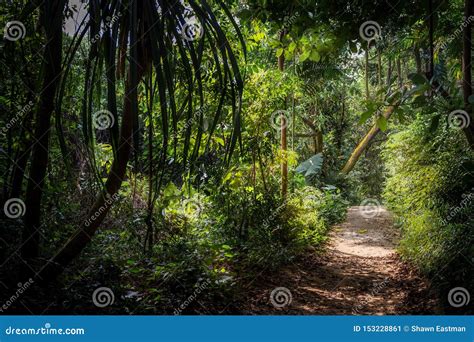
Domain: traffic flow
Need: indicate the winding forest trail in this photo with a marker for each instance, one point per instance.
(359, 273)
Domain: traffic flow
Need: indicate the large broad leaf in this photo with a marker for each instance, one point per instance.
(312, 166)
(418, 79)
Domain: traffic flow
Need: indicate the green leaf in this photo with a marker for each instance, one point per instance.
(304, 56)
(292, 47)
(434, 123)
(382, 123)
(279, 52)
(365, 116)
(394, 97)
(417, 79)
(311, 166)
(353, 47)
(315, 57)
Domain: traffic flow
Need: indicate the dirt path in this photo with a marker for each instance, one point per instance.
(360, 273)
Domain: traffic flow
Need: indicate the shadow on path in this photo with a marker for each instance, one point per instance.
(360, 273)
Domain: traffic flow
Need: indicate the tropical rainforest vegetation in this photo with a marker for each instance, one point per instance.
(169, 151)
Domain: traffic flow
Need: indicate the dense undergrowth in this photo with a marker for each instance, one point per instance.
(430, 188)
(217, 242)
(227, 154)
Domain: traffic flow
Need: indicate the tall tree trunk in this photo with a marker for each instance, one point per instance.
(399, 74)
(416, 52)
(379, 68)
(367, 91)
(318, 142)
(284, 142)
(18, 172)
(431, 39)
(23, 154)
(81, 237)
(467, 74)
(52, 20)
(364, 143)
(389, 73)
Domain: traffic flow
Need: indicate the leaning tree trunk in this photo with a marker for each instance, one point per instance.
(467, 75)
(84, 233)
(52, 20)
(364, 143)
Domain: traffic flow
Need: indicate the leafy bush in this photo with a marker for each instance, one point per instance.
(430, 187)
(269, 231)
